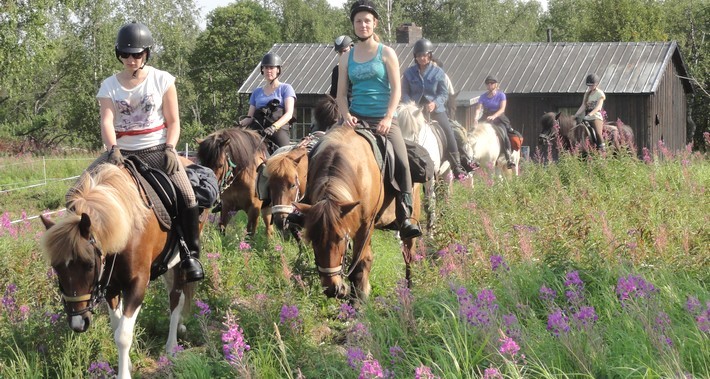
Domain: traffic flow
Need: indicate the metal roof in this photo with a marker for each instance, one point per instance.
(558, 67)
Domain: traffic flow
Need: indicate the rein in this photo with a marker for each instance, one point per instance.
(98, 293)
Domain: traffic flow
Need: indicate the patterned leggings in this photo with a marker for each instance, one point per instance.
(155, 158)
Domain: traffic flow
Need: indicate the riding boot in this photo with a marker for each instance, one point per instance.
(456, 168)
(403, 212)
(190, 251)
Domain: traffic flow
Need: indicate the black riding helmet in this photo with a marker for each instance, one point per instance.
(341, 43)
(490, 79)
(363, 6)
(592, 79)
(272, 60)
(423, 46)
(134, 38)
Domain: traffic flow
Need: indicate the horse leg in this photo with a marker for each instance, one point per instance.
(180, 300)
(430, 194)
(252, 218)
(266, 216)
(115, 310)
(360, 278)
(408, 248)
(123, 335)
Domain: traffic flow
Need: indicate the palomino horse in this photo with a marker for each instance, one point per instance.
(234, 155)
(349, 199)
(562, 131)
(104, 248)
(486, 149)
(415, 128)
(286, 174)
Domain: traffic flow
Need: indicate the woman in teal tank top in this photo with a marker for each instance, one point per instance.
(373, 70)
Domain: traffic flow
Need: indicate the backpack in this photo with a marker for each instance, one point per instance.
(421, 166)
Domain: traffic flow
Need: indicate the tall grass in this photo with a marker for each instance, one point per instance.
(587, 268)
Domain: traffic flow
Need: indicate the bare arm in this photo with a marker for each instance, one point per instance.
(108, 133)
(392, 66)
(172, 115)
(342, 98)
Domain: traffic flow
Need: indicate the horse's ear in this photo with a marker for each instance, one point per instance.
(199, 140)
(557, 116)
(85, 226)
(347, 208)
(224, 142)
(46, 221)
(297, 160)
(302, 207)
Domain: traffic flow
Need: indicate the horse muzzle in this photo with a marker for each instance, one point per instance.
(79, 322)
(338, 290)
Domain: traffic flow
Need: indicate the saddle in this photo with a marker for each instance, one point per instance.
(164, 199)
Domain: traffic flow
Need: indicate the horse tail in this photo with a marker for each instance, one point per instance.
(111, 200)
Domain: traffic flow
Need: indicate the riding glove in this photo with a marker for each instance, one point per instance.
(115, 157)
(270, 130)
(172, 165)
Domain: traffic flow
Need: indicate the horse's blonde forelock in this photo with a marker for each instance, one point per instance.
(63, 242)
(115, 208)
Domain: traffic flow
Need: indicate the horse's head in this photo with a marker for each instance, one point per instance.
(286, 173)
(329, 229)
(410, 119)
(77, 260)
(325, 114)
(212, 152)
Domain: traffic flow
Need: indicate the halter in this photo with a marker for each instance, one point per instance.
(554, 133)
(228, 175)
(285, 208)
(98, 292)
(329, 272)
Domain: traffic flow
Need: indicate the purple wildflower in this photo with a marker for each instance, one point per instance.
(512, 328)
(557, 322)
(397, 354)
(355, 357)
(547, 295)
(8, 300)
(508, 346)
(234, 344)
(424, 372)
(634, 287)
(703, 319)
(289, 315)
(573, 280)
(100, 370)
(204, 307)
(478, 312)
(497, 262)
(347, 312)
(585, 317)
(693, 305)
(360, 332)
(662, 323)
(164, 363)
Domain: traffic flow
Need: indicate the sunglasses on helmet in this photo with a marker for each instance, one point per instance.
(134, 55)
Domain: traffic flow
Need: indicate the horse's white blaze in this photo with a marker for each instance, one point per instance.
(174, 324)
(124, 339)
(77, 322)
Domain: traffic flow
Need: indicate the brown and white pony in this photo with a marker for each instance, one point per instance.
(234, 154)
(348, 199)
(286, 174)
(104, 248)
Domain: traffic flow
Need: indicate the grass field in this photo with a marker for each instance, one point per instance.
(592, 268)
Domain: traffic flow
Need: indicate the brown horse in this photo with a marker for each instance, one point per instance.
(286, 174)
(234, 155)
(562, 131)
(349, 199)
(104, 248)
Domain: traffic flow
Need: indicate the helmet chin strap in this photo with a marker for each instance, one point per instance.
(136, 71)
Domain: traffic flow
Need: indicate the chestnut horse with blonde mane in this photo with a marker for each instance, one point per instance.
(234, 154)
(104, 248)
(349, 199)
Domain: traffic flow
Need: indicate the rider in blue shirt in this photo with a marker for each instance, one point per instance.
(425, 84)
(273, 90)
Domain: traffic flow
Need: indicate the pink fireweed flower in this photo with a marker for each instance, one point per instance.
(492, 373)
(234, 344)
(508, 346)
(278, 248)
(424, 372)
(371, 369)
(244, 245)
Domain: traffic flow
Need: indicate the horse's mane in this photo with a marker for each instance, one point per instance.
(242, 145)
(410, 120)
(547, 121)
(331, 176)
(283, 165)
(325, 113)
(116, 211)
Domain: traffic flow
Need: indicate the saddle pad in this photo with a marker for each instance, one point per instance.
(154, 200)
(516, 141)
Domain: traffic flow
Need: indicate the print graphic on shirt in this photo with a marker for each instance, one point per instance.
(136, 115)
(366, 71)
